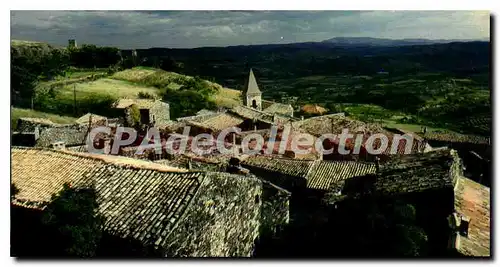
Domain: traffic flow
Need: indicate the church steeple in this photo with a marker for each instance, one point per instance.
(253, 95)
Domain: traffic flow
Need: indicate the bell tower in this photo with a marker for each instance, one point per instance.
(252, 94)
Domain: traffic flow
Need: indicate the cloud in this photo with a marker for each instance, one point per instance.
(144, 29)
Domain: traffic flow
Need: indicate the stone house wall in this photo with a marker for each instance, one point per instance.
(222, 221)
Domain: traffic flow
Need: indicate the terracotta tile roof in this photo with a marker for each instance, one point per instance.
(297, 168)
(319, 174)
(139, 199)
(473, 200)
(95, 119)
(143, 204)
(418, 172)
(326, 173)
(314, 109)
(205, 112)
(456, 138)
(197, 164)
(197, 118)
(250, 113)
(328, 124)
(141, 103)
(403, 174)
(221, 121)
(266, 103)
(335, 123)
(279, 109)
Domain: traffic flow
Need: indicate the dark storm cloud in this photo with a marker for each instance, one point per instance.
(144, 29)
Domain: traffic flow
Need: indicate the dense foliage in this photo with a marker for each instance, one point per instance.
(195, 94)
(30, 65)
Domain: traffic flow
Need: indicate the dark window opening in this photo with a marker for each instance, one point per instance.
(144, 116)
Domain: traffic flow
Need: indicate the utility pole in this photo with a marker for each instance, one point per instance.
(74, 98)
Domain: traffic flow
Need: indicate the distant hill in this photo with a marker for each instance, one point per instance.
(369, 41)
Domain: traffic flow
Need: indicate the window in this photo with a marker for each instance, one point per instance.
(257, 199)
(254, 104)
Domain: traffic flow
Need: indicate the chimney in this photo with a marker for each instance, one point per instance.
(235, 149)
(302, 118)
(190, 165)
(107, 146)
(255, 128)
(463, 229)
(58, 146)
(377, 164)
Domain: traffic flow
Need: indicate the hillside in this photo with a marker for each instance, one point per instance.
(95, 90)
(444, 85)
(224, 97)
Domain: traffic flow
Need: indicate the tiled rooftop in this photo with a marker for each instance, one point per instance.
(222, 121)
(326, 173)
(250, 113)
(297, 168)
(95, 119)
(473, 200)
(319, 174)
(418, 172)
(141, 103)
(139, 199)
(456, 138)
(279, 108)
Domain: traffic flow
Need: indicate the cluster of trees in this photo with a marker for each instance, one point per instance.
(195, 94)
(92, 56)
(35, 63)
(30, 65)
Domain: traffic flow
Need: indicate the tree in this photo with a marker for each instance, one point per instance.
(72, 218)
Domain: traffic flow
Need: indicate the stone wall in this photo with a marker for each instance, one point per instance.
(223, 220)
(275, 209)
(161, 113)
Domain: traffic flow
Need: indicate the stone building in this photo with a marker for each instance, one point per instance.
(152, 111)
(72, 43)
(433, 183)
(168, 211)
(252, 94)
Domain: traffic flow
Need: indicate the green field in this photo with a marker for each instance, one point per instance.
(117, 88)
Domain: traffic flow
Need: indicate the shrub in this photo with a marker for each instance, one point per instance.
(146, 95)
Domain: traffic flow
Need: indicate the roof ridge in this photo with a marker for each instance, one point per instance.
(114, 160)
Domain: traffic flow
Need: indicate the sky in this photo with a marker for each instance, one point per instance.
(188, 29)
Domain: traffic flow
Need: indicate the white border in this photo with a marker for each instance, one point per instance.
(208, 5)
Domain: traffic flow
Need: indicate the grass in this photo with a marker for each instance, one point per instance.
(116, 88)
(133, 75)
(17, 113)
(225, 97)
